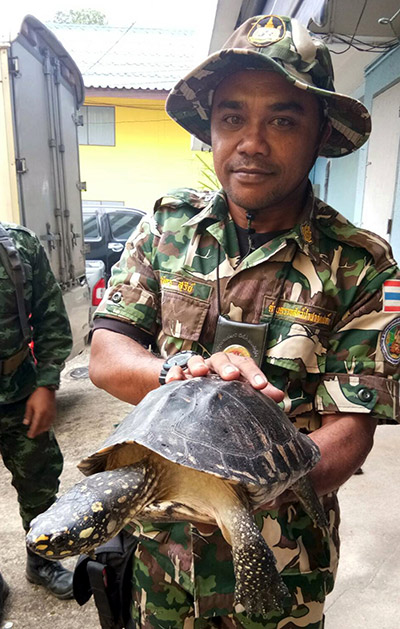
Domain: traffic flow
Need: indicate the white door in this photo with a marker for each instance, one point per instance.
(383, 156)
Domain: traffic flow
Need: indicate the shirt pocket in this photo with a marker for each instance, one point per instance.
(184, 307)
(294, 344)
(296, 347)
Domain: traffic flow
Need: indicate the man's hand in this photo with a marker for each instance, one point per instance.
(286, 497)
(40, 411)
(228, 367)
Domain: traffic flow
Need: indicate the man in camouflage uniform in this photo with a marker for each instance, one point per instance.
(28, 383)
(262, 249)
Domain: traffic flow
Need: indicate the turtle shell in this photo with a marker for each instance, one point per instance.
(225, 428)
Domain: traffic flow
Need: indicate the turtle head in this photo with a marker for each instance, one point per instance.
(88, 515)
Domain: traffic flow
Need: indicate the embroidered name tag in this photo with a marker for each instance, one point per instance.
(308, 314)
(184, 286)
(391, 296)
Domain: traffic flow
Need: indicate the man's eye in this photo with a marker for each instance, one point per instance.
(232, 119)
(283, 122)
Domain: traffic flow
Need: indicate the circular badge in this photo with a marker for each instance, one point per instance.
(239, 350)
(390, 342)
(267, 30)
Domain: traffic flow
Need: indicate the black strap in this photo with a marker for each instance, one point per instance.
(98, 580)
(108, 576)
(14, 267)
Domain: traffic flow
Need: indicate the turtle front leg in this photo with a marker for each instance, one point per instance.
(91, 512)
(259, 587)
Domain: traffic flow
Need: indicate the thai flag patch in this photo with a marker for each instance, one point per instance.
(391, 296)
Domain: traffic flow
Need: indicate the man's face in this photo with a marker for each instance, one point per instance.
(265, 134)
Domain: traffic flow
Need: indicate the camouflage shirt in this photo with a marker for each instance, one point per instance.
(324, 287)
(51, 332)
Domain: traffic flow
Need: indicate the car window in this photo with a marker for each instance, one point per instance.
(91, 226)
(123, 223)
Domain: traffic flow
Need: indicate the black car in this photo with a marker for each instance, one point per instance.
(106, 229)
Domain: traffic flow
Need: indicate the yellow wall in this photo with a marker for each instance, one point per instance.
(151, 155)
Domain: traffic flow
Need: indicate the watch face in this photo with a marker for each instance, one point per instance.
(181, 358)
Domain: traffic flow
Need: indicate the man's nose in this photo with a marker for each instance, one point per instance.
(254, 140)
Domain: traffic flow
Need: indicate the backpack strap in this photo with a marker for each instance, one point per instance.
(98, 578)
(107, 574)
(14, 267)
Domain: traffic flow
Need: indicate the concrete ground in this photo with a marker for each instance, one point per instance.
(366, 593)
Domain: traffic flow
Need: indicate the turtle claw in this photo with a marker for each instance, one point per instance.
(271, 600)
(267, 594)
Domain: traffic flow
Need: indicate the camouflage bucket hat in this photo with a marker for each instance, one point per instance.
(282, 44)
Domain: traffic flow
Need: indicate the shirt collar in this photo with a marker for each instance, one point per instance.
(216, 214)
(215, 210)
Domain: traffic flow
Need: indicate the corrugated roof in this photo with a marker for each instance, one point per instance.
(138, 58)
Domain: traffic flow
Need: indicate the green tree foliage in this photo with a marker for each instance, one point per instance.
(80, 16)
(210, 179)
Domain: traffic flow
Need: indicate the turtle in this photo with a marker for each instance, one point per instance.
(203, 450)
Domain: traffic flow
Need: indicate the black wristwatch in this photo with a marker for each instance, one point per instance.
(181, 359)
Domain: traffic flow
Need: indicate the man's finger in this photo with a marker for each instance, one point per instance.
(33, 426)
(175, 373)
(275, 394)
(27, 416)
(233, 367)
(197, 366)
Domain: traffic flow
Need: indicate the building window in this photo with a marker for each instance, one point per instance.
(98, 126)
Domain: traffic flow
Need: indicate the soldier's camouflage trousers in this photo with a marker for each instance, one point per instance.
(163, 603)
(35, 464)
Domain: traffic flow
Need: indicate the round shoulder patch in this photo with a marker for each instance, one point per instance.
(390, 342)
(267, 30)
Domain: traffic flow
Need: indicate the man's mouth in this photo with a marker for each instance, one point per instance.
(249, 174)
(253, 171)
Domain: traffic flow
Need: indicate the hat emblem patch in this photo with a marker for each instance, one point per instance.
(268, 30)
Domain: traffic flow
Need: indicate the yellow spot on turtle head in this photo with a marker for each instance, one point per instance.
(65, 552)
(111, 526)
(42, 538)
(41, 547)
(122, 499)
(86, 532)
(49, 553)
(97, 506)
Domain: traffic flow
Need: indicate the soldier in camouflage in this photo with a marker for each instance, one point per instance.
(263, 249)
(27, 390)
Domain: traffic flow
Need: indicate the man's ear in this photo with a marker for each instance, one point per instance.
(325, 135)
